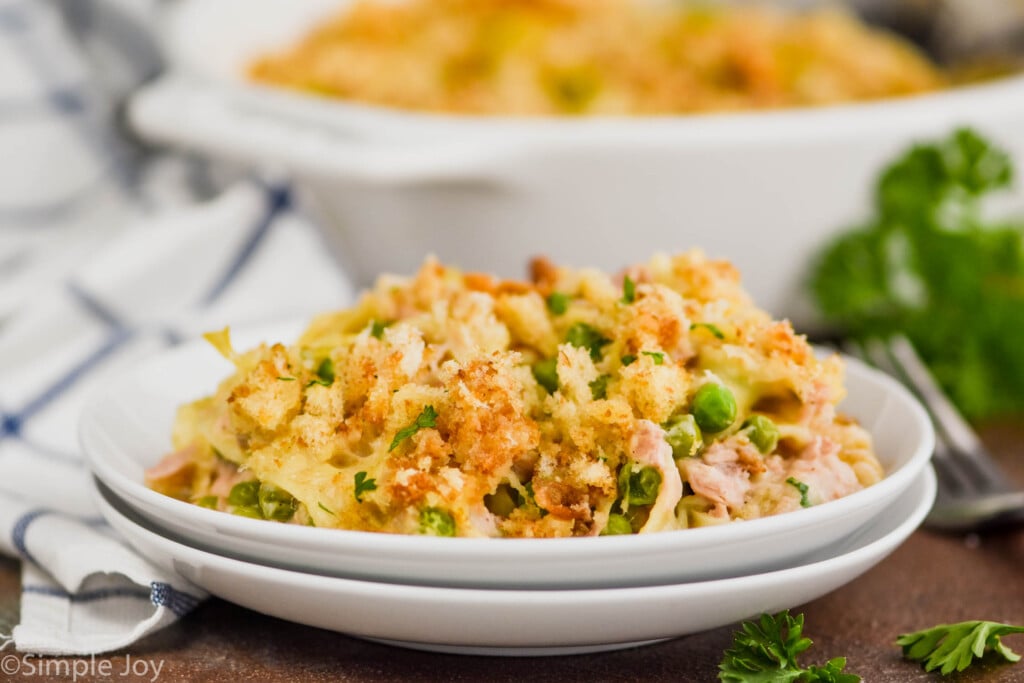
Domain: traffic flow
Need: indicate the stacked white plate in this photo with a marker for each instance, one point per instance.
(490, 596)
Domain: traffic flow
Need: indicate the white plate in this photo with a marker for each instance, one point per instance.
(126, 427)
(518, 622)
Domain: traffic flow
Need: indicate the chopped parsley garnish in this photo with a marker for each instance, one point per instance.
(325, 371)
(558, 303)
(426, 419)
(586, 337)
(952, 647)
(325, 509)
(931, 265)
(628, 359)
(802, 488)
(658, 356)
(377, 328)
(710, 327)
(766, 650)
(628, 290)
(287, 379)
(546, 373)
(599, 387)
(363, 484)
(324, 374)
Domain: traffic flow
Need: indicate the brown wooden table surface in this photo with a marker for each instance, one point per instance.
(931, 579)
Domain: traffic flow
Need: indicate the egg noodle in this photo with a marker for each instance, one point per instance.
(575, 404)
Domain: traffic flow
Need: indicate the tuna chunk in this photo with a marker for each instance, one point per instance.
(648, 447)
(721, 475)
(826, 475)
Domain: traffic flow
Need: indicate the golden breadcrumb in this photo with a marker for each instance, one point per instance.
(570, 57)
(576, 404)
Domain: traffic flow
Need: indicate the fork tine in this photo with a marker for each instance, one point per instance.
(952, 479)
(963, 442)
(973, 492)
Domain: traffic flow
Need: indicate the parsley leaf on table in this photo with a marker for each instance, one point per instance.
(932, 266)
(952, 647)
(766, 651)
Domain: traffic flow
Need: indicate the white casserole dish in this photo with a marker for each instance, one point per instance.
(763, 190)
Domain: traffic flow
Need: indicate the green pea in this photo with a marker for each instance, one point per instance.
(248, 511)
(617, 525)
(558, 302)
(275, 503)
(714, 407)
(436, 522)
(762, 432)
(546, 373)
(245, 493)
(639, 487)
(683, 435)
(503, 501)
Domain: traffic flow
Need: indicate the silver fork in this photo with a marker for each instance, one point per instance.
(973, 492)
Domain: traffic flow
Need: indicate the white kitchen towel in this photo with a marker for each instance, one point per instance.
(108, 254)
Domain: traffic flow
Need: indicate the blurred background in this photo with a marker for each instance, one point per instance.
(776, 135)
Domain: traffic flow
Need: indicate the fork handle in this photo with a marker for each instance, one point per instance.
(984, 511)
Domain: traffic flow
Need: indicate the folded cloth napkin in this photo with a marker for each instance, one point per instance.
(107, 256)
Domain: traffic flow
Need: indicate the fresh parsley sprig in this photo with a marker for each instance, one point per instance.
(628, 290)
(425, 420)
(931, 265)
(766, 651)
(802, 488)
(952, 647)
(363, 484)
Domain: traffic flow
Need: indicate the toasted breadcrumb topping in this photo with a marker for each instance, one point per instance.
(459, 404)
(603, 57)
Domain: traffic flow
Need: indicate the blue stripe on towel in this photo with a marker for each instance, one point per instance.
(21, 528)
(66, 382)
(95, 307)
(89, 124)
(89, 596)
(165, 595)
(278, 200)
(60, 101)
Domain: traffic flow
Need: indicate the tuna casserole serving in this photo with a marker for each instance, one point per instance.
(576, 404)
(544, 57)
